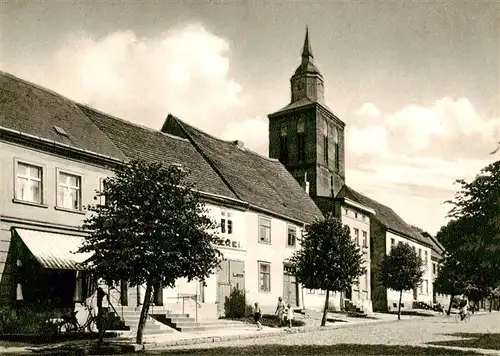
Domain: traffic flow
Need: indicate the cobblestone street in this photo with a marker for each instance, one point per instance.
(415, 332)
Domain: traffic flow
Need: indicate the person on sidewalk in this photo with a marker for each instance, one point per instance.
(290, 315)
(280, 310)
(257, 315)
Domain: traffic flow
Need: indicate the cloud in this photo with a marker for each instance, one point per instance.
(410, 158)
(184, 71)
(253, 132)
(367, 110)
(448, 129)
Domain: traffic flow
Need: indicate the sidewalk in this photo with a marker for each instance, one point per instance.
(181, 339)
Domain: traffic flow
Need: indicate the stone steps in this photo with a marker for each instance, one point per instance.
(131, 318)
(183, 323)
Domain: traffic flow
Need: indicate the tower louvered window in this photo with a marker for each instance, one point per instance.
(301, 140)
(283, 144)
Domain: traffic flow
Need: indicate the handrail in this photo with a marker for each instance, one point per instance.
(116, 299)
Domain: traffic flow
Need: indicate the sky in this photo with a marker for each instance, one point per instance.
(417, 83)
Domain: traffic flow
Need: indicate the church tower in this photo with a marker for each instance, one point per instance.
(305, 135)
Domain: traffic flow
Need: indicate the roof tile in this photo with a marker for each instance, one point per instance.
(385, 215)
(259, 180)
(30, 109)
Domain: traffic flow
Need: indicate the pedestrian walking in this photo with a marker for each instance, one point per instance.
(257, 315)
(280, 310)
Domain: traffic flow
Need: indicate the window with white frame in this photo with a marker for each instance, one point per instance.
(226, 222)
(310, 291)
(346, 211)
(365, 239)
(265, 276)
(29, 183)
(102, 189)
(69, 194)
(356, 235)
(425, 258)
(292, 236)
(264, 229)
(393, 242)
(434, 268)
(321, 291)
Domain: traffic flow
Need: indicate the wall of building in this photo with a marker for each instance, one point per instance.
(424, 292)
(290, 120)
(251, 251)
(33, 215)
(360, 220)
(377, 253)
(443, 299)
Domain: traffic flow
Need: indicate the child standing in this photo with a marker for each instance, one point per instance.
(289, 314)
(257, 314)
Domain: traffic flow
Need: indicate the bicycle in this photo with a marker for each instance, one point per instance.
(466, 319)
(70, 323)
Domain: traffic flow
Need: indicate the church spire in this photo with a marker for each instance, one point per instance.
(307, 54)
(307, 81)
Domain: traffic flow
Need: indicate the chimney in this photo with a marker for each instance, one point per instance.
(239, 143)
(306, 183)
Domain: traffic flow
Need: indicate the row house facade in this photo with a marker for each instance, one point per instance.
(56, 155)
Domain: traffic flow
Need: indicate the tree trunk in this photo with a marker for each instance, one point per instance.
(144, 313)
(491, 303)
(449, 306)
(399, 305)
(327, 298)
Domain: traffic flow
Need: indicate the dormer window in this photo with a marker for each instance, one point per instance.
(283, 144)
(301, 140)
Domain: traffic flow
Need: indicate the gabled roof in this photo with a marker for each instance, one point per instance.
(217, 167)
(384, 215)
(33, 110)
(438, 250)
(139, 142)
(261, 181)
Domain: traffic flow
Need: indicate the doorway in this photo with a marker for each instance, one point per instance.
(230, 275)
(290, 288)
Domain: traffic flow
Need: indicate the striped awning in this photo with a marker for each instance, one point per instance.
(55, 251)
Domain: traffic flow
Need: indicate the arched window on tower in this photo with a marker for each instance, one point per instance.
(301, 140)
(325, 141)
(337, 153)
(283, 144)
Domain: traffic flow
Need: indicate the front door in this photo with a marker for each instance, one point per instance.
(290, 286)
(230, 275)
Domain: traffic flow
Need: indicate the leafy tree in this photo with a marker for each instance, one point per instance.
(450, 279)
(473, 234)
(401, 270)
(152, 230)
(328, 259)
(494, 296)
